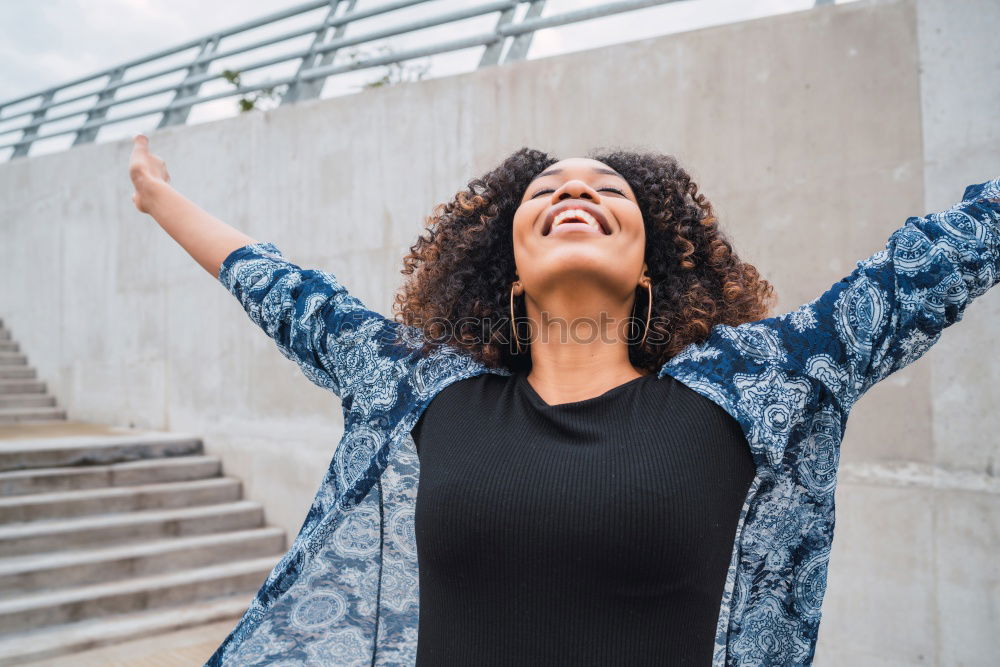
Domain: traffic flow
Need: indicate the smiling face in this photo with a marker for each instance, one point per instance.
(578, 224)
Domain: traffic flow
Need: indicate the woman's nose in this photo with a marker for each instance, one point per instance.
(575, 189)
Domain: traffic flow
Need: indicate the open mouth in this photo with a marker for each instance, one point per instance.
(570, 217)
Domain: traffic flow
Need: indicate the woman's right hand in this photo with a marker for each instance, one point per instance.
(146, 171)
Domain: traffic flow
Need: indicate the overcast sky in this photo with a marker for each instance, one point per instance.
(47, 42)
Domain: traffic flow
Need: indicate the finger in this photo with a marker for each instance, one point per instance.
(140, 144)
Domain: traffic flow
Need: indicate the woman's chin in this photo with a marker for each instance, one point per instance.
(579, 270)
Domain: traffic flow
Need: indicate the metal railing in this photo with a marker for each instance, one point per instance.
(315, 63)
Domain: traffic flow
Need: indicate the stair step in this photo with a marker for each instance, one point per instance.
(16, 372)
(26, 401)
(16, 386)
(132, 595)
(74, 637)
(7, 345)
(115, 500)
(4, 333)
(13, 359)
(130, 473)
(90, 449)
(30, 415)
(116, 529)
(37, 572)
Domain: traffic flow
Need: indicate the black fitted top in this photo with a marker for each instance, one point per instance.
(596, 532)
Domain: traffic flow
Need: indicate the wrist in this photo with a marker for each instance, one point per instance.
(154, 192)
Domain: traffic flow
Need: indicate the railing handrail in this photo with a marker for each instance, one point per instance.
(315, 66)
(202, 59)
(489, 7)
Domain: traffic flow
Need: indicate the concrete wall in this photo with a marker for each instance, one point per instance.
(815, 134)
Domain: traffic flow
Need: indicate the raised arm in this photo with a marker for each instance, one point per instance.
(338, 343)
(882, 317)
(206, 238)
(895, 304)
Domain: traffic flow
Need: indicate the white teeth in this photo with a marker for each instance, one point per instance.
(576, 214)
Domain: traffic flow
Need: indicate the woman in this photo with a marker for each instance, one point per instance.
(599, 494)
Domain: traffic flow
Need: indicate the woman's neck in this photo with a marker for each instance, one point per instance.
(579, 352)
(576, 375)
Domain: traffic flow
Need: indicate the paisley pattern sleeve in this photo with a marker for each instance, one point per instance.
(895, 304)
(791, 381)
(311, 317)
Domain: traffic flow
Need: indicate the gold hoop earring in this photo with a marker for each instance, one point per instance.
(649, 311)
(513, 329)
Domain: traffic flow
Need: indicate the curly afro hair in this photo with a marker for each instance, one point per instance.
(462, 265)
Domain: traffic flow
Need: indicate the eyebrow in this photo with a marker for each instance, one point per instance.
(596, 170)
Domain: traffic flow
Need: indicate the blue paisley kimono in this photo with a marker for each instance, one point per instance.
(346, 593)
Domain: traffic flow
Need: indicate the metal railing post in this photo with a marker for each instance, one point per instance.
(179, 115)
(89, 134)
(25, 143)
(519, 48)
(491, 56)
(311, 89)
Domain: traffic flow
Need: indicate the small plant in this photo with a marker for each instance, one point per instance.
(398, 72)
(271, 93)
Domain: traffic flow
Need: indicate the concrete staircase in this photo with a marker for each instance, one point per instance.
(116, 534)
(22, 397)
